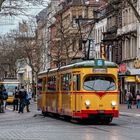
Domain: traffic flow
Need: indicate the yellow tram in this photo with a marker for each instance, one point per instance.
(83, 90)
(9, 85)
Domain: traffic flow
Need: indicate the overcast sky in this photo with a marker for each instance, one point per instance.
(8, 23)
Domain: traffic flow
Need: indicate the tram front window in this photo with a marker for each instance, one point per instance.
(99, 83)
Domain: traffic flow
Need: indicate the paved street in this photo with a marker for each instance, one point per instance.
(33, 126)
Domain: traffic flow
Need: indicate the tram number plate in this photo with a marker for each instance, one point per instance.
(101, 111)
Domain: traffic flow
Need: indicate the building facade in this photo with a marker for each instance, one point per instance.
(24, 74)
(73, 29)
(129, 34)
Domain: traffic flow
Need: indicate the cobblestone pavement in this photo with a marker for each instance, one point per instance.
(34, 126)
(129, 112)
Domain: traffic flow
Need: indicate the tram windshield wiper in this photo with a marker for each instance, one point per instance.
(89, 87)
(110, 86)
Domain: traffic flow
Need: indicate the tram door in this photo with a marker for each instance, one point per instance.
(76, 91)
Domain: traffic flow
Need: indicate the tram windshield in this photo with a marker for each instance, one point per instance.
(99, 83)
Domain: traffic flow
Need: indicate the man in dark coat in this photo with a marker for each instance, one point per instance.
(22, 99)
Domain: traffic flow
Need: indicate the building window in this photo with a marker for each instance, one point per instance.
(73, 44)
(74, 23)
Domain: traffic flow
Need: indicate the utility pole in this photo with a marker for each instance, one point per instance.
(87, 53)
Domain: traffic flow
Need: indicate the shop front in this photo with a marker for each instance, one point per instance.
(132, 81)
(129, 79)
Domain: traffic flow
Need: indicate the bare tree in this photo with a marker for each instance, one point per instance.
(8, 58)
(31, 49)
(66, 42)
(35, 2)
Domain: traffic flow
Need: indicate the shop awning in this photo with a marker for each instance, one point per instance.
(130, 78)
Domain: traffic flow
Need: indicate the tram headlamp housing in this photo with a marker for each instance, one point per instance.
(113, 103)
(87, 103)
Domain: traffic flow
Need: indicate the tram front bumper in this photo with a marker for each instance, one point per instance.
(95, 113)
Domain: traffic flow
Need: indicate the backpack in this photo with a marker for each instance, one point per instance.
(130, 97)
(138, 97)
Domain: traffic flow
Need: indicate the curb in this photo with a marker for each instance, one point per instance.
(129, 114)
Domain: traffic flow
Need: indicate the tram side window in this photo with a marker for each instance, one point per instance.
(66, 82)
(77, 82)
(39, 86)
(52, 83)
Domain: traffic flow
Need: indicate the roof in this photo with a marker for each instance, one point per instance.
(84, 64)
(134, 71)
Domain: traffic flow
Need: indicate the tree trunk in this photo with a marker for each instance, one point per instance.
(1, 2)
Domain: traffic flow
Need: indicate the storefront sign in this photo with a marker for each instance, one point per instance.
(130, 78)
(122, 68)
(137, 64)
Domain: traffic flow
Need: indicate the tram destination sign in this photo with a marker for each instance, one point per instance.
(100, 70)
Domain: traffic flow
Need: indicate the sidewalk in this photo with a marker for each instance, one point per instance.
(129, 112)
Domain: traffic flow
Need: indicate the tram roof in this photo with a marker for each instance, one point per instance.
(83, 64)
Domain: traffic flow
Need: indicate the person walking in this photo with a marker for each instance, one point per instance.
(27, 102)
(22, 99)
(129, 99)
(16, 99)
(1, 101)
(5, 97)
(138, 99)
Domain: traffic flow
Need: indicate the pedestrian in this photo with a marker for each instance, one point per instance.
(16, 99)
(1, 101)
(129, 99)
(138, 99)
(27, 102)
(5, 97)
(22, 99)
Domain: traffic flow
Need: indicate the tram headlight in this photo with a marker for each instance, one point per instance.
(87, 103)
(113, 103)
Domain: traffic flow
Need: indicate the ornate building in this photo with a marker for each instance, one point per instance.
(68, 32)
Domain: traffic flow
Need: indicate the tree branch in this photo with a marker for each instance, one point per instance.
(134, 9)
(1, 2)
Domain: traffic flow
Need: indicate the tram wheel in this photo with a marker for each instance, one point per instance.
(44, 113)
(107, 121)
(67, 118)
